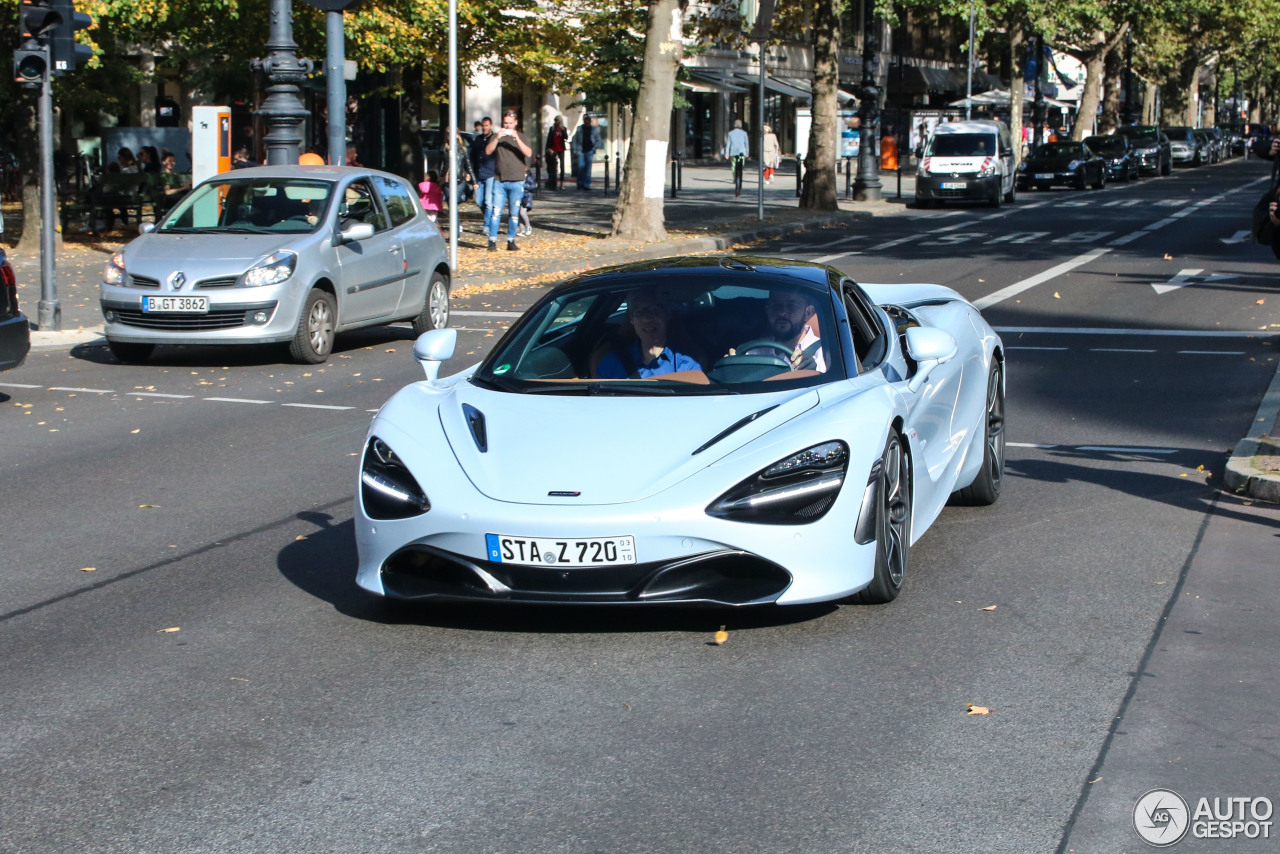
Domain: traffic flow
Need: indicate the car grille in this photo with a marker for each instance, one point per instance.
(221, 282)
(950, 194)
(215, 319)
(143, 281)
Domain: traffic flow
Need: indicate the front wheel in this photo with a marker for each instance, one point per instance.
(893, 525)
(985, 488)
(1012, 195)
(1101, 182)
(313, 339)
(130, 353)
(435, 308)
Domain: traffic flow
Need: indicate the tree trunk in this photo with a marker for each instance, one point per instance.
(638, 214)
(27, 142)
(1113, 91)
(1017, 88)
(411, 124)
(819, 190)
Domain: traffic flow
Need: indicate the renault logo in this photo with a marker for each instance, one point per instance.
(179, 279)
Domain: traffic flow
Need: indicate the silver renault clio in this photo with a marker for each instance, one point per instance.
(278, 253)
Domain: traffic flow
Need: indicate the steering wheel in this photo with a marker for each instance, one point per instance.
(752, 367)
(757, 343)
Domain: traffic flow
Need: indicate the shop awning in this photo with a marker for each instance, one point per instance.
(921, 79)
(707, 80)
(780, 85)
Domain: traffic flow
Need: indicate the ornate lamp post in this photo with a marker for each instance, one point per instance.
(866, 187)
(285, 72)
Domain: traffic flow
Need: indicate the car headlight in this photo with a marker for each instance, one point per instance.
(1155, 149)
(1075, 164)
(989, 170)
(795, 490)
(1022, 167)
(387, 489)
(272, 270)
(114, 274)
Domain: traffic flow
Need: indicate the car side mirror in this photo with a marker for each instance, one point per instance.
(146, 227)
(433, 348)
(929, 348)
(358, 231)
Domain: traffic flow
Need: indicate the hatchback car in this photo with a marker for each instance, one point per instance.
(15, 332)
(1118, 152)
(1071, 163)
(287, 253)
(1154, 155)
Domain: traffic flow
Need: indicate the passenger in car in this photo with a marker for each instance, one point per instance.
(791, 317)
(649, 355)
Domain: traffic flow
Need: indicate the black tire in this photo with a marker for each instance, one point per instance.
(985, 488)
(1012, 196)
(1081, 182)
(129, 353)
(996, 198)
(1166, 169)
(313, 340)
(435, 307)
(893, 525)
(1102, 180)
(924, 204)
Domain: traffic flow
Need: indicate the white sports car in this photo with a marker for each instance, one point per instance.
(719, 431)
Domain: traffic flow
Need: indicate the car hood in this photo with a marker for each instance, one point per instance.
(169, 250)
(1056, 164)
(601, 450)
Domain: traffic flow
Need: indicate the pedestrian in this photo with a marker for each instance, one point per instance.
(511, 153)
(586, 141)
(240, 159)
(431, 195)
(556, 139)
(772, 154)
(128, 163)
(526, 204)
(482, 164)
(148, 159)
(736, 147)
(456, 158)
(353, 157)
(475, 128)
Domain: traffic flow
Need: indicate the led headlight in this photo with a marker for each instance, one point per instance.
(114, 274)
(272, 270)
(795, 490)
(1155, 149)
(1074, 165)
(387, 489)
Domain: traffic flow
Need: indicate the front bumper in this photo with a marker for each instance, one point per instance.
(1048, 179)
(965, 186)
(1183, 155)
(1117, 168)
(15, 341)
(230, 319)
(1149, 162)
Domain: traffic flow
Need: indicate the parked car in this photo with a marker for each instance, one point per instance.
(15, 331)
(1208, 146)
(278, 253)
(1072, 163)
(1118, 152)
(1154, 155)
(532, 478)
(1221, 143)
(1186, 147)
(967, 161)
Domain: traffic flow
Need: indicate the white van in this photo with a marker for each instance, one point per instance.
(968, 161)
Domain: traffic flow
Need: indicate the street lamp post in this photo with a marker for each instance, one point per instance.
(968, 85)
(1037, 111)
(866, 188)
(282, 108)
(1128, 78)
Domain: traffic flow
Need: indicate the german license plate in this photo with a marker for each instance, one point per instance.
(553, 551)
(176, 305)
(1044, 176)
(954, 185)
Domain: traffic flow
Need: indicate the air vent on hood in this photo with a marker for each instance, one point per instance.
(737, 425)
(475, 420)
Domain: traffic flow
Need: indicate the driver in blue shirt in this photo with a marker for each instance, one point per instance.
(649, 355)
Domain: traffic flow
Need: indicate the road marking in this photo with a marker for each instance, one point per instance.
(1238, 237)
(1210, 352)
(1027, 284)
(158, 394)
(315, 406)
(1128, 238)
(19, 385)
(1118, 350)
(1102, 330)
(463, 313)
(234, 400)
(85, 390)
(1190, 276)
(1030, 445)
(1108, 449)
(897, 242)
(1035, 348)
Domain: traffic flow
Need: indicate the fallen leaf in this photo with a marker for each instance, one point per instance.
(721, 636)
(1094, 780)
(1057, 295)
(1200, 468)
(238, 679)
(141, 506)
(1260, 302)
(300, 537)
(988, 608)
(139, 430)
(169, 630)
(1184, 474)
(1168, 257)
(88, 569)
(978, 710)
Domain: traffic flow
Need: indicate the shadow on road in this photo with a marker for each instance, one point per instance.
(324, 565)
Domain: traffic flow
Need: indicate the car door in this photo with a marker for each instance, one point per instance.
(413, 231)
(372, 270)
(1006, 162)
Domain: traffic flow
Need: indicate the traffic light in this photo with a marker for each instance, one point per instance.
(31, 64)
(65, 54)
(36, 18)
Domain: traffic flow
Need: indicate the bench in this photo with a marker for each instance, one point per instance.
(123, 192)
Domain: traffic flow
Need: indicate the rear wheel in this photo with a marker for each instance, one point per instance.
(1012, 195)
(985, 488)
(893, 525)
(435, 308)
(130, 353)
(313, 339)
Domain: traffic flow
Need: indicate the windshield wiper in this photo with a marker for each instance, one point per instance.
(179, 230)
(494, 384)
(242, 229)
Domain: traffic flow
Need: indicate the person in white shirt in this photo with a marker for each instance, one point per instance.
(736, 147)
(789, 313)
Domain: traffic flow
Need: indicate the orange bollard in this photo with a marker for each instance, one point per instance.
(888, 153)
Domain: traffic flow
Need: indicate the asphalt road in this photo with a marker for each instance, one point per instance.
(188, 666)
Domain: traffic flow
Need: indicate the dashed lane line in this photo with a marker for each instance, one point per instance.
(1104, 449)
(235, 400)
(1040, 278)
(469, 313)
(1103, 330)
(159, 394)
(83, 390)
(317, 406)
(1118, 350)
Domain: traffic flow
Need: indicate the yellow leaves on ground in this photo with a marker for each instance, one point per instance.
(721, 636)
(978, 710)
(145, 506)
(169, 630)
(988, 608)
(88, 569)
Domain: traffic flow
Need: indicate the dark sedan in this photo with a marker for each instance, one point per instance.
(1071, 163)
(1119, 153)
(15, 332)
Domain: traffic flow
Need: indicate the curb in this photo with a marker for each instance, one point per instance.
(1242, 476)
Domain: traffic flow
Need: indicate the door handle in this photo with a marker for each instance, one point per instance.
(395, 248)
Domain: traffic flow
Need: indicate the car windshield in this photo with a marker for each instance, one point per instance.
(1180, 134)
(667, 335)
(1060, 149)
(1106, 144)
(1141, 136)
(961, 145)
(251, 205)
